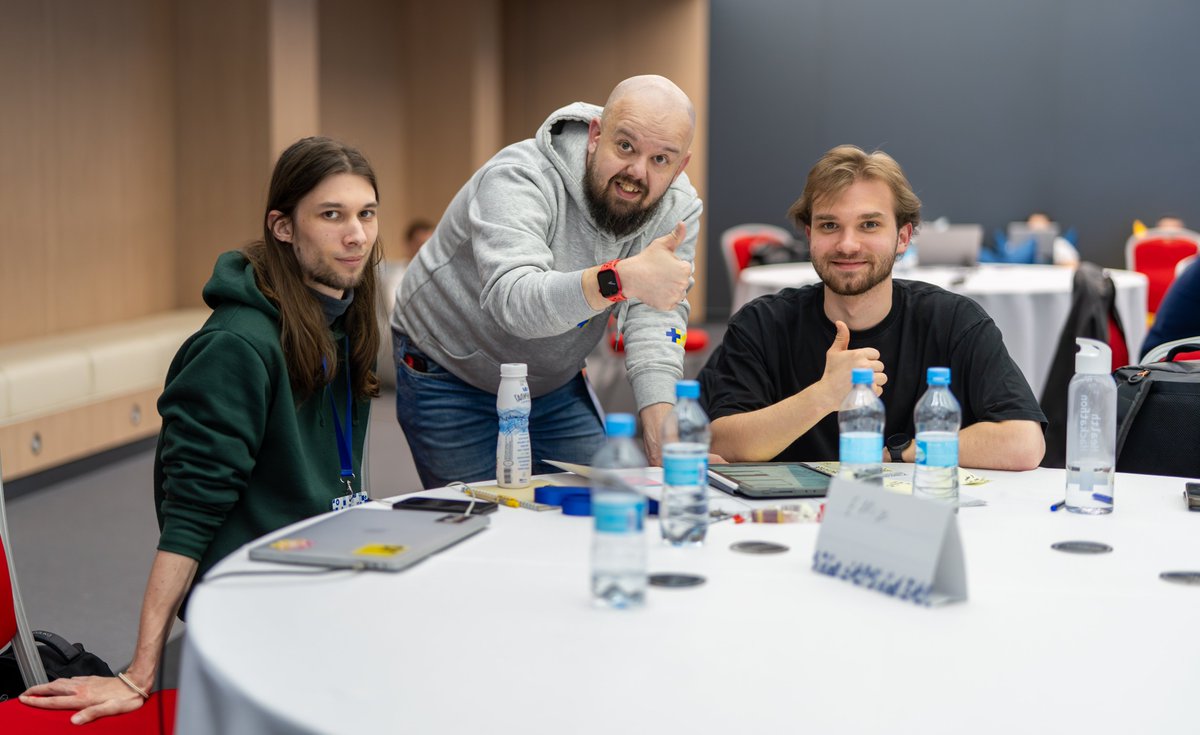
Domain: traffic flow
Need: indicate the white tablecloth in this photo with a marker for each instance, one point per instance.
(1029, 303)
(498, 635)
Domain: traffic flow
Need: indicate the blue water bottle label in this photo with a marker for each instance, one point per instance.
(514, 420)
(864, 448)
(618, 517)
(937, 452)
(679, 471)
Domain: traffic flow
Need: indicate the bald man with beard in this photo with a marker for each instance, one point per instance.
(590, 218)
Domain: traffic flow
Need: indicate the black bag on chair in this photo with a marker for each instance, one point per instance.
(61, 658)
(1158, 419)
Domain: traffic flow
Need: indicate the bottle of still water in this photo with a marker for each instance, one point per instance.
(685, 441)
(619, 510)
(937, 418)
(860, 430)
(1091, 430)
(514, 458)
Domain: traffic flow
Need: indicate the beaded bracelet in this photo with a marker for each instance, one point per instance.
(129, 683)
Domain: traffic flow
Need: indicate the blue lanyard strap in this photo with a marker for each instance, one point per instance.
(345, 439)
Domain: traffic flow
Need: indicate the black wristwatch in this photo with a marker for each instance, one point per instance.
(610, 282)
(896, 444)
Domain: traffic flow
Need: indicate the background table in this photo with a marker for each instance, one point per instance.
(498, 634)
(1029, 303)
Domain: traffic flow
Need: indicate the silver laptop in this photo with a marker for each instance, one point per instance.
(364, 538)
(1020, 232)
(950, 245)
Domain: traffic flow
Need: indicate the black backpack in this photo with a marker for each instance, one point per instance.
(1158, 418)
(60, 658)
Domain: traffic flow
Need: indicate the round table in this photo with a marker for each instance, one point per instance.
(1029, 303)
(498, 634)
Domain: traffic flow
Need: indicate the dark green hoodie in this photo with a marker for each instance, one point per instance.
(237, 458)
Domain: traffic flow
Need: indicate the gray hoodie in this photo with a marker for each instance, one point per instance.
(500, 280)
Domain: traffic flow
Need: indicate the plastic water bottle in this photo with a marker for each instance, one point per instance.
(514, 458)
(1091, 430)
(685, 441)
(937, 418)
(860, 426)
(619, 543)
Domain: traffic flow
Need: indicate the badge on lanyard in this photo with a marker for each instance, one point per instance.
(345, 438)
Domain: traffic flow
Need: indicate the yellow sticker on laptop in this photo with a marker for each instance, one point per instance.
(380, 550)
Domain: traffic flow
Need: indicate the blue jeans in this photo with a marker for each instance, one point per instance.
(451, 426)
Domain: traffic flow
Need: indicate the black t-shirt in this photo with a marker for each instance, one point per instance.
(775, 347)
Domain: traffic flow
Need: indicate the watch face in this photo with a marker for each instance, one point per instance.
(609, 287)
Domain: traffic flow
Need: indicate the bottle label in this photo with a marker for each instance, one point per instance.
(685, 470)
(860, 448)
(937, 451)
(513, 420)
(618, 517)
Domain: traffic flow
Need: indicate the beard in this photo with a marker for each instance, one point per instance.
(854, 284)
(616, 216)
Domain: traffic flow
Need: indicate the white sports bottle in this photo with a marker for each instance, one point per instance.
(514, 458)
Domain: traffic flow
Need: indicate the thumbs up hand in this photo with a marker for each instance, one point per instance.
(656, 276)
(840, 360)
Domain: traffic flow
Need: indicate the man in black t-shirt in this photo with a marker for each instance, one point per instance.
(774, 385)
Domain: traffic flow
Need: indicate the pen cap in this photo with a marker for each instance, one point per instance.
(1094, 357)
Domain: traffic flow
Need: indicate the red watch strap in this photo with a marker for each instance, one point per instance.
(612, 266)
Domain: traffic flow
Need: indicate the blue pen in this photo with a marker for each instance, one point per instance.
(1057, 505)
(1102, 498)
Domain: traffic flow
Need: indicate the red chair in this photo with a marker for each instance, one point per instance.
(1156, 254)
(16, 717)
(737, 244)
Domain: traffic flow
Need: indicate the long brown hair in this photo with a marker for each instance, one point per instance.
(304, 332)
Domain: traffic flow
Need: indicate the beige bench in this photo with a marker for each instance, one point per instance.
(71, 395)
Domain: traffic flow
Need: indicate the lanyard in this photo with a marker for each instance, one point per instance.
(345, 439)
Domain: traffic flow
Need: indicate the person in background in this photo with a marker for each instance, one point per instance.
(259, 403)
(1178, 315)
(1064, 252)
(774, 386)
(592, 217)
(418, 232)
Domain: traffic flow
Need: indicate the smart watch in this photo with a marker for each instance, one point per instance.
(610, 282)
(896, 444)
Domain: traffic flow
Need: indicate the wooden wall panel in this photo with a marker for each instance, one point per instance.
(87, 190)
(362, 84)
(546, 68)
(449, 53)
(223, 153)
(293, 74)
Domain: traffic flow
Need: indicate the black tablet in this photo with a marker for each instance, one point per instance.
(769, 480)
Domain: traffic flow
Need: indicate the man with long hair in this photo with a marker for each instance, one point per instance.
(774, 386)
(590, 218)
(265, 408)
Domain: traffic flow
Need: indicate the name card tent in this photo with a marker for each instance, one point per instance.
(899, 545)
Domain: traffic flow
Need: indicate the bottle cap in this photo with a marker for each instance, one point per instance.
(862, 376)
(619, 424)
(687, 389)
(513, 370)
(1094, 357)
(937, 376)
